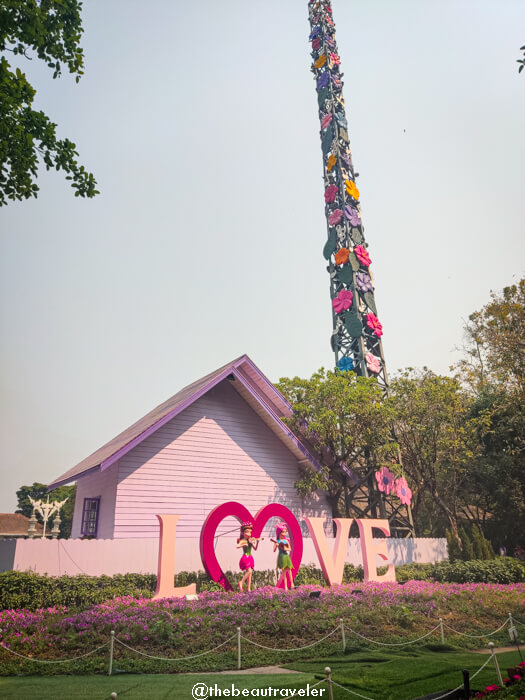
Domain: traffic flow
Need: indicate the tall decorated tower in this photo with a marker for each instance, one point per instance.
(357, 330)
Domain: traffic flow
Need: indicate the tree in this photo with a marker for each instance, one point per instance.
(438, 438)
(51, 29)
(492, 369)
(345, 418)
(494, 349)
(39, 492)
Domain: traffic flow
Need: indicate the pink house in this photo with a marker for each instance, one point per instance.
(218, 439)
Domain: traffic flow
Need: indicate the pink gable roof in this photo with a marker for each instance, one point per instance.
(251, 383)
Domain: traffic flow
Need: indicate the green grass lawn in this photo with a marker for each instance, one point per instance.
(400, 675)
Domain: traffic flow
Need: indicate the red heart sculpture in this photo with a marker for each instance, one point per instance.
(237, 510)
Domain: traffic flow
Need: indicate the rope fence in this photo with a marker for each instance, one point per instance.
(179, 658)
(394, 644)
(306, 646)
(239, 637)
(54, 661)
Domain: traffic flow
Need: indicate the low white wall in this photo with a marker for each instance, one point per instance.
(120, 556)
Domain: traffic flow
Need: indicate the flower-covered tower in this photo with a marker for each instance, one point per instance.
(357, 330)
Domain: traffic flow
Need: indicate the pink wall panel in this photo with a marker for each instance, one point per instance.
(120, 556)
(92, 486)
(217, 450)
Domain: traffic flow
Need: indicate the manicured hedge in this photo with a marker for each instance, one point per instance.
(500, 570)
(31, 591)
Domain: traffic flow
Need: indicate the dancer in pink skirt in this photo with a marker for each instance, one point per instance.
(246, 563)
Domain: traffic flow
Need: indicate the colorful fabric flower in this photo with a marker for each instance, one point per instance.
(320, 61)
(372, 362)
(330, 193)
(402, 491)
(352, 215)
(342, 255)
(363, 282)
(362, 255)
(338, 83)
(335, 59)
(314, 33)
(342, 301)
(373, 322)
(316, 43)
(345, 364)
(345, 157)
(352, 189)
(385, 480)
(332, 160)
(335, 217)
(326, 121)
(323, 80)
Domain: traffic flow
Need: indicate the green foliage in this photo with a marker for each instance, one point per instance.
(414, 572)
(346, 419)
(500, 570)
(467, 552)
(492, 372)
(30, 591)
(482, 547)
(454, 552)
(438, 438)
(39, 492)
(52, 30)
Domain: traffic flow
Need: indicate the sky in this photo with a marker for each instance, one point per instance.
(199, 121)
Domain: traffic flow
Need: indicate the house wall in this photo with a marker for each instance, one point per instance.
(216, 450)
(103, 484)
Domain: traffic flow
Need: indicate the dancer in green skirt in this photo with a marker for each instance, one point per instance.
(284, 560)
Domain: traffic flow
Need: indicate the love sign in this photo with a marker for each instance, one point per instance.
(331, 560)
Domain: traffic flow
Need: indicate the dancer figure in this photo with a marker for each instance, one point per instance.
(246, 563)
(284, 560)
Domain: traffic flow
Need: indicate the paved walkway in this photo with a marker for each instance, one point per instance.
(262, 670)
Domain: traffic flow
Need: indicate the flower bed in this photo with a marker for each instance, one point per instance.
(268, 616)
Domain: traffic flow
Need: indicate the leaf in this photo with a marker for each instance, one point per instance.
(353, 325)
(346, 275)
(357, 236)
(370, 302)
(326, 139)
(330, 245)
(354, 262)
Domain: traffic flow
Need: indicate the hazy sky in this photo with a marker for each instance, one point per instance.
(199, 121)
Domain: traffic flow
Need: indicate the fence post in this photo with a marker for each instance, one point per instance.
(239, 648)
(111, 648)
(441, 631)
(495, 659)
(343, 634)
(511, 621)
(466, 683)
(328, 672)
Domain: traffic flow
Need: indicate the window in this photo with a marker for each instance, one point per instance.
(90, 517)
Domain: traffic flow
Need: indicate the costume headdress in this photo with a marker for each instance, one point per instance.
(279, 528)
(245, 525)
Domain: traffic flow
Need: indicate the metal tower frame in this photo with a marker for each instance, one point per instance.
(356, 336)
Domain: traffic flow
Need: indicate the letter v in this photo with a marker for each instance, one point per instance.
(332, 563)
